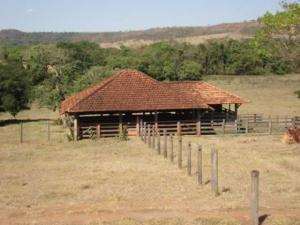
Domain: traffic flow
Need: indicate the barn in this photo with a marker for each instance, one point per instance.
(130, 97)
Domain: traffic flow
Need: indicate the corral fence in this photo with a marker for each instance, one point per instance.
(28, 130)
(50, 130)
(162, 143)
(245, 123)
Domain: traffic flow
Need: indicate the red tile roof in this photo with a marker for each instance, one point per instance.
(131, 90)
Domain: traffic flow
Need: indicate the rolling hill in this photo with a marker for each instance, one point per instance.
(134, 38)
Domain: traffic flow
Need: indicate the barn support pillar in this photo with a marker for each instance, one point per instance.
(236, 107)
(156, 120)
(120, 123)
(198, 123)
(137, 125)
(76, 128)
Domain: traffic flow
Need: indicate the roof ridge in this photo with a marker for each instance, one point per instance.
(183, 81)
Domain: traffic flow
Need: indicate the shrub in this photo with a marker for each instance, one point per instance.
(123, 135)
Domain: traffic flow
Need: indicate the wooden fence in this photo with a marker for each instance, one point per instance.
(246, 123)
(37, 131)
(156, 138)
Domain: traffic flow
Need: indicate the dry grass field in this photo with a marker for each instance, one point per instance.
(112, 182)
(270, 95)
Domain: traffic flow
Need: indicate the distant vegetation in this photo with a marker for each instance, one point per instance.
(50, 72)
(155, 34)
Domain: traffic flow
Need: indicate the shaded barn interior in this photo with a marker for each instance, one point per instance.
(130, 97)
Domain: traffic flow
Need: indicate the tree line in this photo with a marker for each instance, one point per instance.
(48, 73)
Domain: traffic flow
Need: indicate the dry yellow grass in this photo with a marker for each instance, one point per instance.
(271, 95)
(108, 180)
(112, 182)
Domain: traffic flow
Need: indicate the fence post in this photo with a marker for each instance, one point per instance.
(254, 197)
(178, 128)
(171, 148)
(158, 142)
(199, 165)
(153, 137)
(270, 125)
(149, 135)
(189, 159)
(236, 126)
(214, 171)
(165, 144)
(21, 132)
(247, 126)
(179, 152)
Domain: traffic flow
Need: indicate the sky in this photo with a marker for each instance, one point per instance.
(125, 15)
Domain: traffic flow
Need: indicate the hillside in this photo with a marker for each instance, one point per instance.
(109, 39)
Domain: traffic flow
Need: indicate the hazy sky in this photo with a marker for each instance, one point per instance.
(112, 15)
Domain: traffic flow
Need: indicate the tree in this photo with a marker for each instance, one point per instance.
(190, 70)
(279, 34)
(14, 88)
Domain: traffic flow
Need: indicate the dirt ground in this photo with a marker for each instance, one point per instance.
(113, 182)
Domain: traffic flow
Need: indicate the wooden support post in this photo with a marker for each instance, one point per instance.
(198, 124)
(254, 118)
(223, 126)
(141, 134)
(236, 126)
(236, 106)
(149, 135)
(247, 126)
(199, 165)
(178, 128)
(138, 126)
(21, 131)
(165, 144)
(179, 152)
(171, 148)
(153, 137)
(145, 132)
(214, 171)
(98, 130)
(156, 120)
(189, 159)
(158, 142)
(48, 130)
(120, 124)
(76, 129)
(270, 125)
(254, 197)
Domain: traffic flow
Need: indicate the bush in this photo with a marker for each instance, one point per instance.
(297, 93)
(123, 135)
